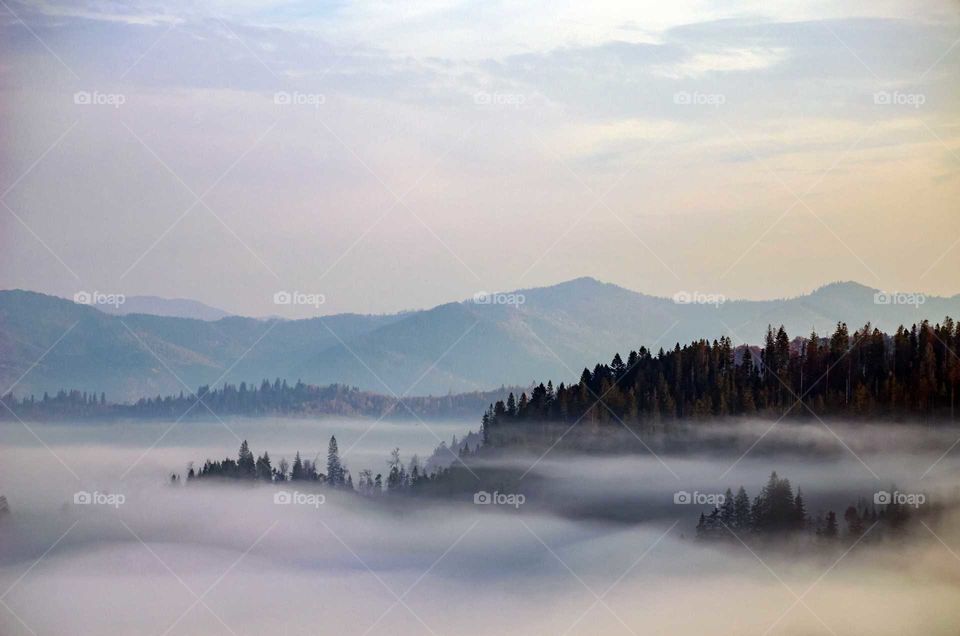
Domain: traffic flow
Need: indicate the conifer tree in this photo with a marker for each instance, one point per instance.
(335, 475)
(296, 472)
(741, 510)
(246, 464)
(728, 510)
(264, 469)
(799, 511)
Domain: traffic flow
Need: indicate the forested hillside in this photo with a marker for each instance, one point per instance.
(913, 373)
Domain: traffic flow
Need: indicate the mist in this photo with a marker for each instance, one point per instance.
(340, 566)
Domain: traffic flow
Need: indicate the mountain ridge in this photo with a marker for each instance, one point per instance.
(458, 346)
(170, 307)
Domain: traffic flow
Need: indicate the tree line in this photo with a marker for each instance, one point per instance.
(913, 373)
(777, 511)
(269, 398)
(248, 467)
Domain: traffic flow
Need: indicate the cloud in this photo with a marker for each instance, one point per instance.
(400, 90)
(460, 568)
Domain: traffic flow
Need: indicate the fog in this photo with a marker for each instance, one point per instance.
(401, 565)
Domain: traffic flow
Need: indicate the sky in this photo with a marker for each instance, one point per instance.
(386, 156)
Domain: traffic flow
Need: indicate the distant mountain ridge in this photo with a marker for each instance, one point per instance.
(171, 307)
(506, 339)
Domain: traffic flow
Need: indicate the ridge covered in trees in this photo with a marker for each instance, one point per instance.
(913, 373)
(269, 398)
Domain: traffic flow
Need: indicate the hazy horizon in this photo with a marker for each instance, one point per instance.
(322, 313)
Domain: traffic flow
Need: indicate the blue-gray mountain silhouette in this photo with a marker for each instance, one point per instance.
(458, 346)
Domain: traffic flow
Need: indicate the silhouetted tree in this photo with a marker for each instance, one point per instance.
(335, 472)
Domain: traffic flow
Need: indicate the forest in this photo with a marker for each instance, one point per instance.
(911, 374)
(776, 511)
(247, 467)
(269, 398)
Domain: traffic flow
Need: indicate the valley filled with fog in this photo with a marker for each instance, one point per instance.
(596, 544)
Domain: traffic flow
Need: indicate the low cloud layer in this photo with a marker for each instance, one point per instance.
(337, 566)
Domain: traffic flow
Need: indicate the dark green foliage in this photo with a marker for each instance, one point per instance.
(913, 373)
(799, 512)
(296, 472)
(741, 509)
(774, 511)
(777, 510)
(728, 510)
(400, 478)
(335, 471)
(246, 465)
(264, 469)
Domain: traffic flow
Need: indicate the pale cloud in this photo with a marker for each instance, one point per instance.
(588, 139)
(742, 59)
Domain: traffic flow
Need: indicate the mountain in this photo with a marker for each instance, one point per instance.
(157, 306)
(506, 339)
(119, 354)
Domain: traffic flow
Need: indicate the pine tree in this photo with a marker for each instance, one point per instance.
(756, 513)
(296, 472)
(511, 405)
(728, 510)
(741, 510)
(264, 469)
(246, 464)
(395, 476)
(335, 476)
(799, 511)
